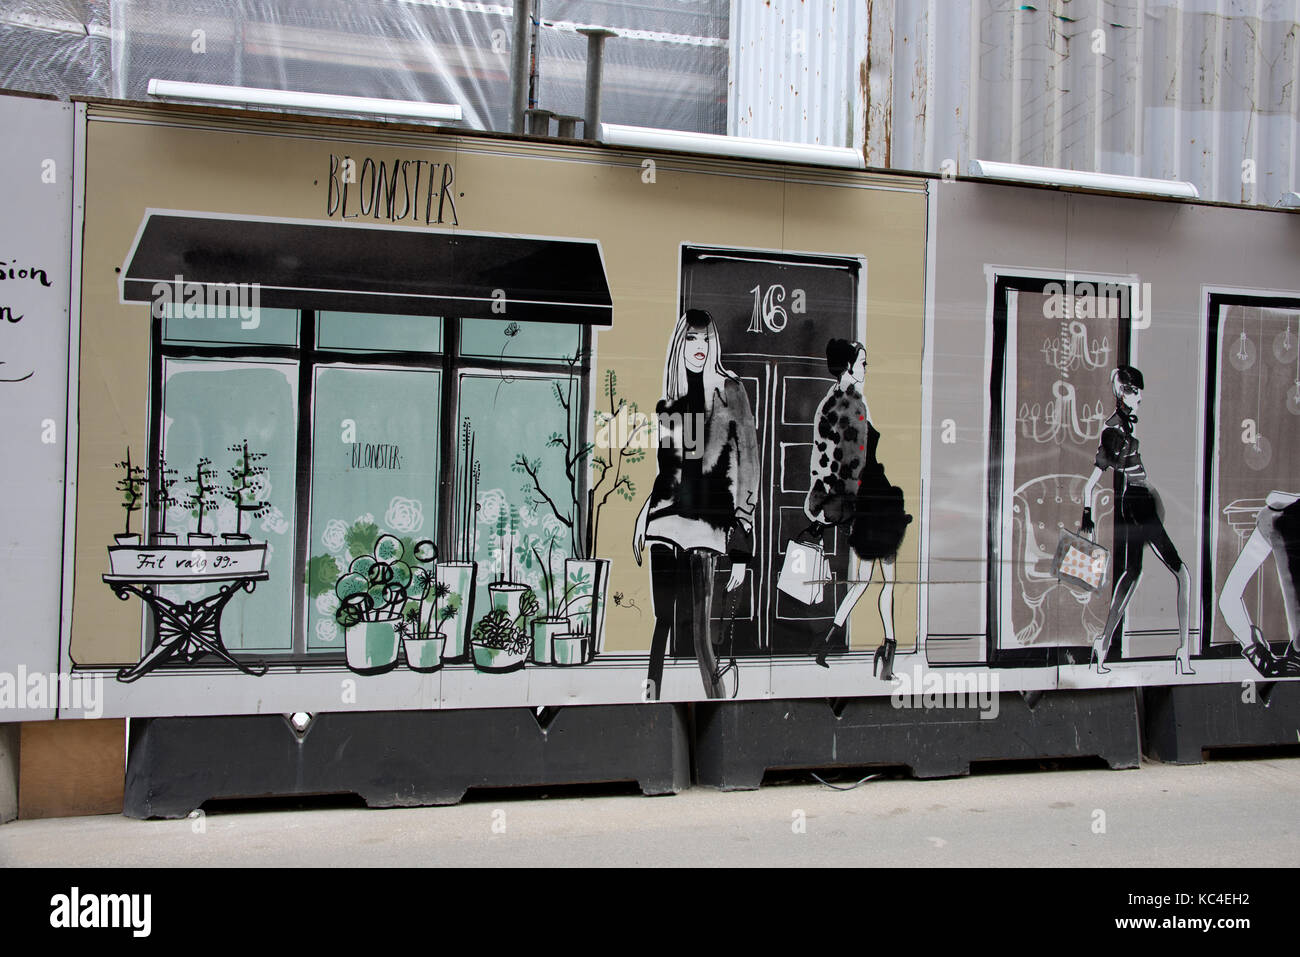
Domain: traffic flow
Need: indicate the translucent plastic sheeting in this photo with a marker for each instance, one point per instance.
(60, 47)
(668, 67)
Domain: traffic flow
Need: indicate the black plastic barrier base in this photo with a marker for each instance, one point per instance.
(401, 758)
(736, 742)
(1182, 722)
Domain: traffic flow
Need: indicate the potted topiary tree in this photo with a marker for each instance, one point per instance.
(131, 485)
(246, 488)
(202, 498)
(160, 500)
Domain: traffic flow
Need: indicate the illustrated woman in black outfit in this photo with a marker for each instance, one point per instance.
(704, 497)
(1139, 518)
(849, 489)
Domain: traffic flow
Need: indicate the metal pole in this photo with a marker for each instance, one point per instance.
(519, 66)
(596, 37)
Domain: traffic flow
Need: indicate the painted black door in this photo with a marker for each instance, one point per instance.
(775, 313)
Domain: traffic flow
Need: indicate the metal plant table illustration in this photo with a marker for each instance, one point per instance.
(186, 630)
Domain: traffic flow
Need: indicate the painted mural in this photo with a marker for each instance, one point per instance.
(754, 436)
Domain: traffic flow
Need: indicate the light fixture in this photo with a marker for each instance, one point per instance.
(1048, 176)
(293, 99)
(642, 137)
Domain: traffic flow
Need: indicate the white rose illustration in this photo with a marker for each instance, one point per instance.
(404, 515)
(274, 522)
(490, 504)
(327, 630)
(335, 535)
(327, 603)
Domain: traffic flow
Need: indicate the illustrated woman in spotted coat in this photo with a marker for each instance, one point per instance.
(849, 489)
(1139, 518)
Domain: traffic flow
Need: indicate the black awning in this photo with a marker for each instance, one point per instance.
(352, 268)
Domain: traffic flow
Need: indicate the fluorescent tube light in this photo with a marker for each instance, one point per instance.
(642, 137)
(292, 99)
(1046, 175)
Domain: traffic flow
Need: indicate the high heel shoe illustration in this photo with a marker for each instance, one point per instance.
(1259, 654)
(1183, 661)
(822, 645)
(885, 656)
(1099, 656)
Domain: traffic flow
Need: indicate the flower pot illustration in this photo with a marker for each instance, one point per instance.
(372, 646)
(132, 539)
(545, 631)
(459, 579)
(570, 649)
(235, 538)
(196, 538)
(425, 653)
(498, 660)
(507, 597)
(163, 538)
(586, 582)
(499, 642)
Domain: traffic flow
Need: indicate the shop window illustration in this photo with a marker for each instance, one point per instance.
(372, 439)
(1249, 566)
(1055, 342)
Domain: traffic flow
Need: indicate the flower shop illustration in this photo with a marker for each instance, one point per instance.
(519, 583)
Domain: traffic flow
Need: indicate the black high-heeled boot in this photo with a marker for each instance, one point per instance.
(1259, 654)
(822, 645)
(885, 655)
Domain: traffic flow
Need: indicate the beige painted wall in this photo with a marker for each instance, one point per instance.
(265, 168)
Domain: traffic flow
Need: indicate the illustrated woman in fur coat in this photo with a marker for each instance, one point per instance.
(849, 489)
(704, 497)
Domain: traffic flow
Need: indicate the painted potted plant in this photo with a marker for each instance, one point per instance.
(246, 488)
(160, 500)
(459, 576)
(131, 485)
(570, 649)
(505, 594)
(586, 578)
(202, 499)
(500, 642)
(372, 596)
(554, 622)
(422, 638)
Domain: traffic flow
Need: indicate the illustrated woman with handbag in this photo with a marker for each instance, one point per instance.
(1139, 519)
(849, 489)
(704, 497)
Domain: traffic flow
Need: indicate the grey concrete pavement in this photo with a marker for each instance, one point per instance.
(1220, 814)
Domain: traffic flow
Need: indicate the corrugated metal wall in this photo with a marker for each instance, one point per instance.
(1200, 90)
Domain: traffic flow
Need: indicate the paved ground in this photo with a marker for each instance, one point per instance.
(1220, 814)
